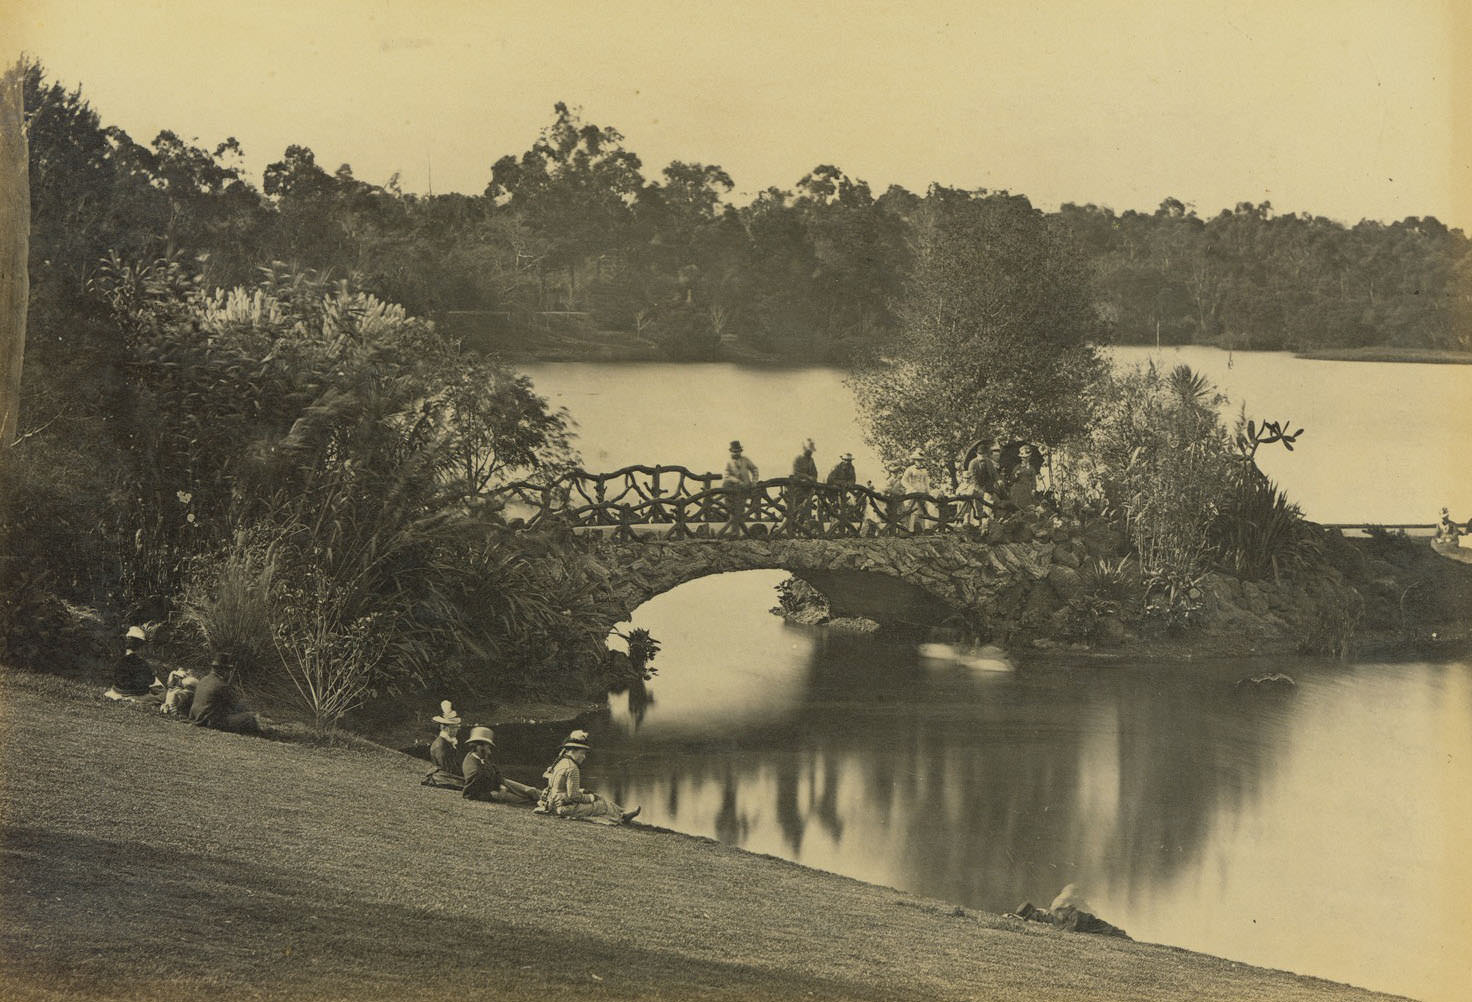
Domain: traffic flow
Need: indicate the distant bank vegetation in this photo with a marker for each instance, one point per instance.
(573, 251)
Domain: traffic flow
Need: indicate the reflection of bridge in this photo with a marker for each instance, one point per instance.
(671, 502)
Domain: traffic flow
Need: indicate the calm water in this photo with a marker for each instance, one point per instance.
(1325, 831)
(1382, 443)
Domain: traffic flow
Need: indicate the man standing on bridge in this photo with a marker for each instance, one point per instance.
(740, 473)
(800, 496)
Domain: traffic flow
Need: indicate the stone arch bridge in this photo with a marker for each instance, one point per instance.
(918, 559)
(986, 587)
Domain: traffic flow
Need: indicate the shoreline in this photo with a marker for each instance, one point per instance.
(1426, 356)
(363, 884)
(622, 355)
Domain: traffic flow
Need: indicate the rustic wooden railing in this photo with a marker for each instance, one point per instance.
(672, 502)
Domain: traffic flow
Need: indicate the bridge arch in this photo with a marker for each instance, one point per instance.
(917, 580)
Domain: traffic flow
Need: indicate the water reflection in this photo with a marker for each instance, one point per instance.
(1295, 830)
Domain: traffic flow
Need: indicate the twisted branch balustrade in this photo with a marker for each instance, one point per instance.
(672, 502)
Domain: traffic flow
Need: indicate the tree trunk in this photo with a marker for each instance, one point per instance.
(15, 230)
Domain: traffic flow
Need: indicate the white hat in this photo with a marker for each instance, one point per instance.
(447, 716)
(481, 734)
(136, 633)
(577, 739)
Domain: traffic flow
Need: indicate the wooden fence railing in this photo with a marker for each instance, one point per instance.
(672, 502)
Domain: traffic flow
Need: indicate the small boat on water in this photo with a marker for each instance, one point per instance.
(987, 658)
(1459, 548)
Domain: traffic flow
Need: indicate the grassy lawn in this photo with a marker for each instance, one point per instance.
(146, 859)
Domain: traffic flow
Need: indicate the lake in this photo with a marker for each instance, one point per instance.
(1323, 831)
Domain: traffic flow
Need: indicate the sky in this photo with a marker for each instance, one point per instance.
(1343, 109)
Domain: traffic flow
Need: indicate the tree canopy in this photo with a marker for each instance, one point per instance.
(995, 335)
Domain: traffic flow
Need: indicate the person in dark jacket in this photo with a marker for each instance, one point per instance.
(800, 497)
(483, 780)
(985, 475)
(132, 675)
(445, 751)
(843, 470)
(845, 506)
(215, 701)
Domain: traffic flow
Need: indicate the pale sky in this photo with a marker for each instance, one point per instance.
(1343, 109)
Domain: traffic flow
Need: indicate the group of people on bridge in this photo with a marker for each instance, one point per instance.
(988, 481)
(469, 766)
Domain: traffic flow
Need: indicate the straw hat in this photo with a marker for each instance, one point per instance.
(808, 446)
(447, 716)
(847, 457)
(481, 734)
(136, 633)
(577, 739)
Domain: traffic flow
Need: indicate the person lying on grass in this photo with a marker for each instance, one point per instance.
(483, 781)
(565, 796)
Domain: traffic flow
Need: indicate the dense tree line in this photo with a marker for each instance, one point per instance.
(574, 244)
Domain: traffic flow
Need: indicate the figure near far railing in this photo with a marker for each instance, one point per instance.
(673, 502)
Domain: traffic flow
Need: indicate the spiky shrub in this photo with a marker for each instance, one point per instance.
(1260, 532)
(229, 598)
(1109, 588)
(1158, 458)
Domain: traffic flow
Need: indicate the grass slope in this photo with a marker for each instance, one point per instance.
(144, 859)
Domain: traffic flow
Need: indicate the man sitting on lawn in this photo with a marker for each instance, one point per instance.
(483, 781)
(215, 705)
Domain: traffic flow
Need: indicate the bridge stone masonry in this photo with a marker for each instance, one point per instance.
(987, 588)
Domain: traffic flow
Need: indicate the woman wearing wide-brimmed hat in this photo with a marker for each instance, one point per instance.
(445, 751)
(132, 675)
(565, 796)
(915, 479)
(483, 780)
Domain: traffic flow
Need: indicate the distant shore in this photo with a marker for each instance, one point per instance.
(1434, 356)
(625, 348)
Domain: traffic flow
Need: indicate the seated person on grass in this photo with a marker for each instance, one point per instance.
(565, 796)
(132, 675)
(214, 704)
(179, 692)
(483, 781)
(445, 751)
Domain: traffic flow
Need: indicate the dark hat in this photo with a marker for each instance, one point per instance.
(735, 446)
